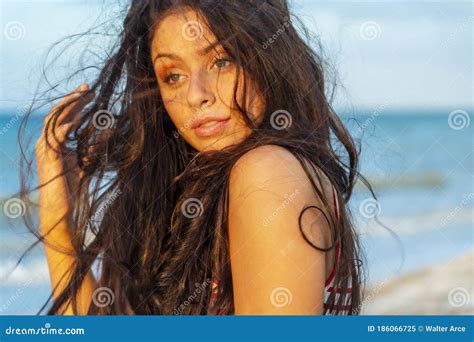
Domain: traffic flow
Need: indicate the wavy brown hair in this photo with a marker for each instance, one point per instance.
(138, 174)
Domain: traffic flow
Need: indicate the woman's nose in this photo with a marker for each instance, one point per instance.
(200, 91)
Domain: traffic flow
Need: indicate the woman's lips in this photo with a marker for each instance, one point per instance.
(211, 128)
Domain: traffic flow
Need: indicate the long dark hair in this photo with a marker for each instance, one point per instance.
(139, 174)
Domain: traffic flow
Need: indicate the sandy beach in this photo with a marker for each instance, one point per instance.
(443, 289)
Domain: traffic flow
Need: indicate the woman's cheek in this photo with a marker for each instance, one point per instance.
(174, 109)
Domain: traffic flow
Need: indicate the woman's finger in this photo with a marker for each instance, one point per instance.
(71, 112)
(68, 107)
(47, 148)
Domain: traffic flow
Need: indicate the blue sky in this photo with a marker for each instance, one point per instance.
(397, 54)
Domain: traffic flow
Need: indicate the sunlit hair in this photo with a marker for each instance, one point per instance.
(139, 174)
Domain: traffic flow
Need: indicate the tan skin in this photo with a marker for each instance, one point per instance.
(268, 256)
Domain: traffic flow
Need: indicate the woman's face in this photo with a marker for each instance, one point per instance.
(196, 79)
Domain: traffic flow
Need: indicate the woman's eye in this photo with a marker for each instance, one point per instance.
(172, 78)
(221, 63)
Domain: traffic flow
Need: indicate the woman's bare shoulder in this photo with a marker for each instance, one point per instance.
(266, 158)
(268, 191)
(274, 166)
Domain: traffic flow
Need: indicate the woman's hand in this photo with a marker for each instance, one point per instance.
(58, 177)
(51, 160)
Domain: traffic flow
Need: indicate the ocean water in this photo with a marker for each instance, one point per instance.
(421, 167)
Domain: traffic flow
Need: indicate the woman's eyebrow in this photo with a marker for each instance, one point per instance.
(202, 52)
(207, 49)
(166, 55)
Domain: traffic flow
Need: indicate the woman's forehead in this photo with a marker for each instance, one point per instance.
(183, 32)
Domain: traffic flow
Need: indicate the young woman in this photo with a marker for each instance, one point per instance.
(203, 172)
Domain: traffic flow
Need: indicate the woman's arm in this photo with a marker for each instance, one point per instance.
(274, 270)
(56, 201)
